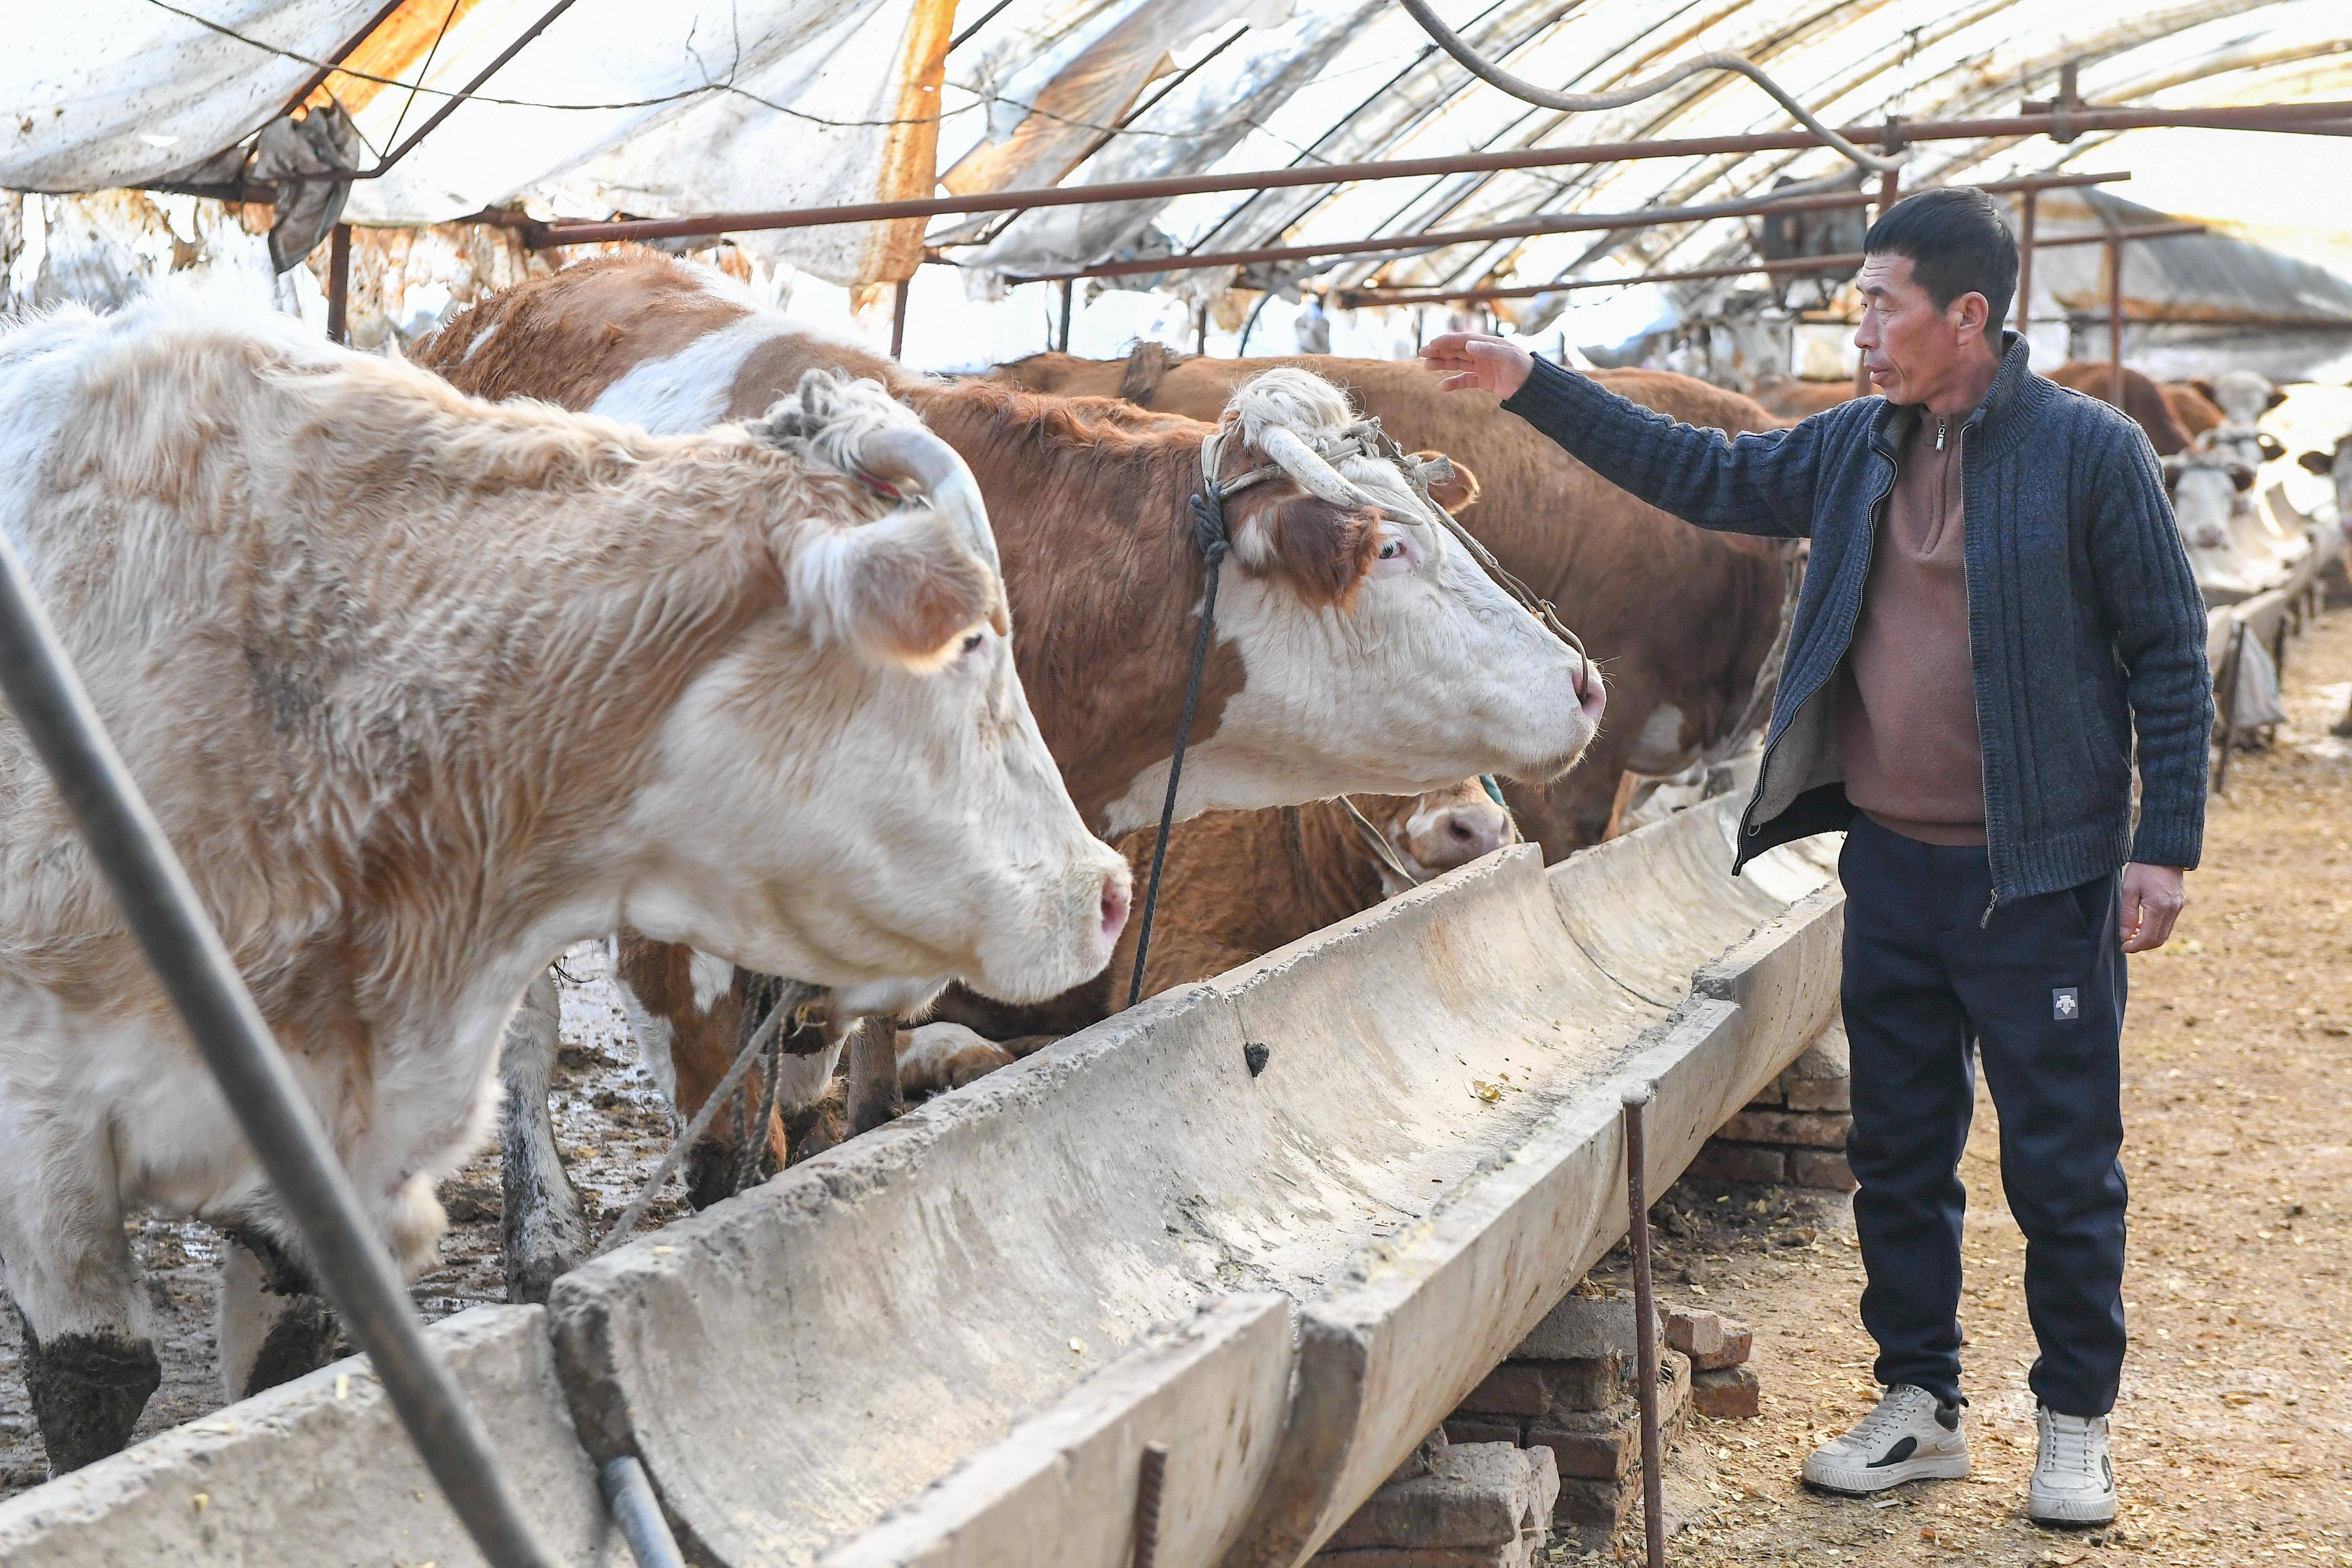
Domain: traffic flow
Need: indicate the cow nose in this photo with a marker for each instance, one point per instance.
(1114, 908)
(1591, 693)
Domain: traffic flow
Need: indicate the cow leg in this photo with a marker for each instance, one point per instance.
(544, 1234)
(274, 1326)
(88, 1365)
(937, 1058)
(874, 1098)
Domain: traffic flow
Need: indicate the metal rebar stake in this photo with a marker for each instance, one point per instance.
(1646, 1327)
(160, 906)
(1152, 1476)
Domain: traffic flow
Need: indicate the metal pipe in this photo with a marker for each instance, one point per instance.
(629, 1494)
(1645, 1325)
(2027, 205)
(160, 906)
(2261, 117)
(1356, 299)
(2116, 320)
(338, 284)
(1062, 327)
(1542, 223)
(898, 318)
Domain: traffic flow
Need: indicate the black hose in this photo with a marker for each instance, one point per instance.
(1525, 91)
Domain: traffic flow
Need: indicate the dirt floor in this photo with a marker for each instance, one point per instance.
(2232, 1439)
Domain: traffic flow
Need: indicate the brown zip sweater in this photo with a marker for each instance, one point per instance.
(1907, 725)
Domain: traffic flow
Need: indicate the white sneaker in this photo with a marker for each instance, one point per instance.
(2074, 1479)
(1909, 1437)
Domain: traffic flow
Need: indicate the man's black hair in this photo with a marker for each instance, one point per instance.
(1959, 244)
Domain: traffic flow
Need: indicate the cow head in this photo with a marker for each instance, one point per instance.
(1442, 829)
(1380, 656)
(2207, 485)
(879, 703)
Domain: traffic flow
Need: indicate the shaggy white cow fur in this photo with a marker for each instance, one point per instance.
(423, 689)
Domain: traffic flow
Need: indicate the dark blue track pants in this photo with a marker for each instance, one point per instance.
(2039, 992)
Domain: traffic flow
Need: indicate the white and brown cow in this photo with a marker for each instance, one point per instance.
(423, 689)
(1360, 648)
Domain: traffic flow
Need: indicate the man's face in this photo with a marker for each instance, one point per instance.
(1912, 349)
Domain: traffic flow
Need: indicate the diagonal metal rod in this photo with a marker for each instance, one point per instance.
(160, 906)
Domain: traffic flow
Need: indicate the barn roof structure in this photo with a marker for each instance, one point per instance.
(592, 109)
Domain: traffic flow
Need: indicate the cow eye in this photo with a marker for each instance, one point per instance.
(1392, 549)
(971, 642)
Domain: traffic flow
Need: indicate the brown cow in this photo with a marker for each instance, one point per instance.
(2143, 400)
(2193, 406)
(1360, 648)
(1682, 619)
(1792, 400)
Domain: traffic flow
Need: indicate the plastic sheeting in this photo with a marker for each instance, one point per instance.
(615, 106)
(695, 108)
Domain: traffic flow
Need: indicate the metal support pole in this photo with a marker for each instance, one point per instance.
(629, 1494)
(1645, 1325)
(2115, 321)
(339, 285)
(898, 318)
(160, 906)
(1200, 332)
(2032, 201)
(1062, 327)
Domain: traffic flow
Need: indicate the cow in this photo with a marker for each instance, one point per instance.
(2193, 406)
(2143, 400)
(2243, 396)
(2211, 504)
(1683, 619)
(1785, 398)
(423, 689)
(1360, 646)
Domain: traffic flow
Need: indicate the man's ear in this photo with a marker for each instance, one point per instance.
(1972, 310)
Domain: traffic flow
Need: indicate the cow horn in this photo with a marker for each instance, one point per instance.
(901, 451)
(1289, 452)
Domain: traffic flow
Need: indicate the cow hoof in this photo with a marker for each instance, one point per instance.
(88, 1391)
(305, 1338)
(532, 1270)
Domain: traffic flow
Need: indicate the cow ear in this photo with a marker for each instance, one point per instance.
(1322, 550)
(2242, 475)
(2204, 389)
(2318, 462)
(1458, 489)
(2277, 396)
(905, 590)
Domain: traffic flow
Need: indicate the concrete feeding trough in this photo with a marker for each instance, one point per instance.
(946, 1342)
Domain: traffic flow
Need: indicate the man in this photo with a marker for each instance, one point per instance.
(1997, 607)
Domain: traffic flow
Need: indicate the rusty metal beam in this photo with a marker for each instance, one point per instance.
(2287, 117)
(1355, 299)
(1543, 224)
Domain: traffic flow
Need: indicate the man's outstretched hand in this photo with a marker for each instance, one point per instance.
(2153, 897)
(1478, 358)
